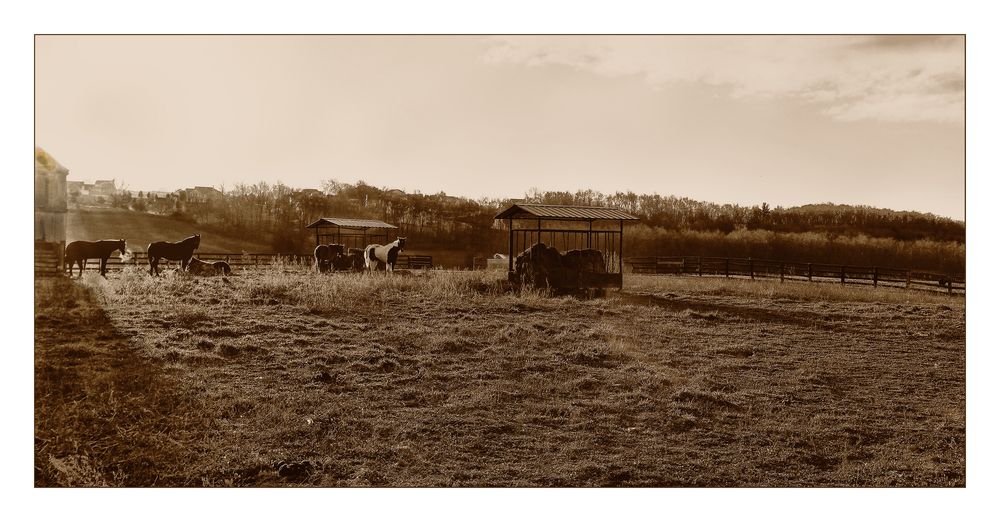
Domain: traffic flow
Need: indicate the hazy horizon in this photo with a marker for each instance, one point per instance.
(787, 120)
(521, 195)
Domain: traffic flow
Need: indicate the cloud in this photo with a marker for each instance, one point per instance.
(888, 78)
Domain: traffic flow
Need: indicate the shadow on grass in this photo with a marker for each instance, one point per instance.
(103, 416)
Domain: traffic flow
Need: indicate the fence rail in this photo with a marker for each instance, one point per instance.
(765, 268)
(249, 260)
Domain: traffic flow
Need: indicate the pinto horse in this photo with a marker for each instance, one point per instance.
(180, 251)
(80, 251)
(378, 255)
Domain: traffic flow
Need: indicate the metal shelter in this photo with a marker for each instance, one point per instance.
(568, 227)
(353, 233)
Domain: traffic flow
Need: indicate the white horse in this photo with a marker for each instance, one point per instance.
(378, 254)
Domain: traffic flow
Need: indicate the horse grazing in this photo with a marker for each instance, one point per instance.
(198, 267)
(80, 251)
(354, 260)
(180, 251)
(377, 256)
(327, 256)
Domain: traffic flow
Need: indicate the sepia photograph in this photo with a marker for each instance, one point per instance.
(499, 261)
(490, 268)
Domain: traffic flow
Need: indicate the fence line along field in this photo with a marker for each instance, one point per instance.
(812, 272)
(433, 378)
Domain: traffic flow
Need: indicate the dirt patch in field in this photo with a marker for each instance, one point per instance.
(354, 380)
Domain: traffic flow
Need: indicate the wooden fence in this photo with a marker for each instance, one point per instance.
(763, 268)
(249, 261)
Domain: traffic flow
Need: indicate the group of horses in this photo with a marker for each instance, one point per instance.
(328, 257)
(79, 252)
(373, 257)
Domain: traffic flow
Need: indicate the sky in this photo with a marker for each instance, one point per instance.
(787, 120)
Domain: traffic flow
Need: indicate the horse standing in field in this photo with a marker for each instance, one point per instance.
(80, 251)
(327, 256)
(180, 251)
(378, 255)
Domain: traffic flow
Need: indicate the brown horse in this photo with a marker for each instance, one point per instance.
(354, 260)
(198, 267)
(327, 256)
(80, 251)
(179, 251)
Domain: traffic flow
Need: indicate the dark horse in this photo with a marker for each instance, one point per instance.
(327, 256)
(180, 251)
(80, 251)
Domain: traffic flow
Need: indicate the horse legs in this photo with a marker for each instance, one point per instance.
(184, 264)
(83, 264)
(104, 267)
(152, 266)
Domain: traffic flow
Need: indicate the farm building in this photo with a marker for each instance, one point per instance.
(570, 228)
(353, 233)
(50, 211)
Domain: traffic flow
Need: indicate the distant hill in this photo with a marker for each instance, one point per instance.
(140, 229)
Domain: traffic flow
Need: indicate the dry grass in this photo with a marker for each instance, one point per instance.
(445, 379)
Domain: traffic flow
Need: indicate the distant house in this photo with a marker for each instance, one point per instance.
(395, 193)
(74, 187)
(103, 188)
(202, 194)
(310, 192)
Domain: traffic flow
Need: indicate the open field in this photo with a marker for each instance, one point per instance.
(441, 379)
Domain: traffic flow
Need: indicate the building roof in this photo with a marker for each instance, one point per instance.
(359, 224)
(46, 163)
(566, 212)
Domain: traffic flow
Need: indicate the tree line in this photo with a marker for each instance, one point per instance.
(669, 225)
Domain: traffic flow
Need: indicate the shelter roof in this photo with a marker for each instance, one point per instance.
(359, 224)
(566, 212)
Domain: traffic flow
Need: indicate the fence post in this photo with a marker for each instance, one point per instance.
(751, 267)
(810, 272)
(843, 274)
(949, 285)
(907, 279)
(876, 277)
(727, 268)
(782, 269)
(699, 266)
